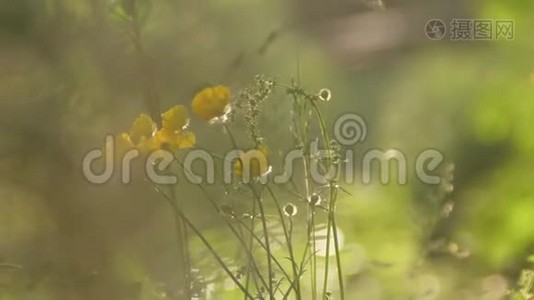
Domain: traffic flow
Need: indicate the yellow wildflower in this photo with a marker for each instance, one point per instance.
(140, 136)
(211, 103)
(175, 118)
(145, 136)
(175, 140)
(254, 161)
(172, 135)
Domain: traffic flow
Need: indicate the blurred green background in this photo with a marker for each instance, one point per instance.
(69, 76)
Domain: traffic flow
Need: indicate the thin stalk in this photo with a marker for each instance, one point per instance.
(338, 257)
(234, 231)
(296, 279)
(263, 222)
(180, 213)
(287, 235)
(181, 231)
(314, 249)
(232, 138)
(249, 265)
(251, 241)
(301, 268)
(331, 211)
(302, 127)
(257, 239)
(333, 194)
(247, 277)
(266, 237)
(327, 253)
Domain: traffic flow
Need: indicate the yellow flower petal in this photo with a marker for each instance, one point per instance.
(175, 141)
(188, 140)
(143, 128)
(211, 102)
(123, 143)
(175, 118)
(146, 146)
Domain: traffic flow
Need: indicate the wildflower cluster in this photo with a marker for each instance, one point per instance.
(266, 223)
(173, 134)
(212, 103)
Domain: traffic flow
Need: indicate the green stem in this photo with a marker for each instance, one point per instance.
(266, 237)
(234, 231)
(263, 221)
(232, 138)
(181, 231)
(251, 241)
(180, 213)
(302, 127)
(257, 239)
(287, 235)
(338, 256)
(331, 210)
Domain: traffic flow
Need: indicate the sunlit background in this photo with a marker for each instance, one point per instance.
(69, 75)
